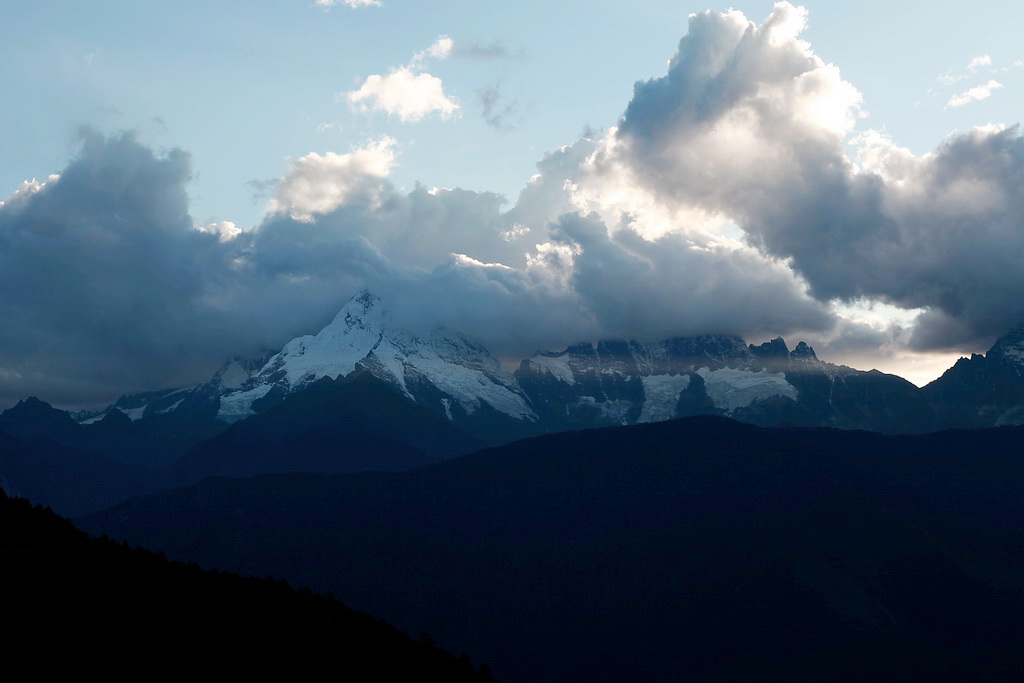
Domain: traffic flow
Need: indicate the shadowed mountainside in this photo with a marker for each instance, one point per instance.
(694, 549)
(83, 601)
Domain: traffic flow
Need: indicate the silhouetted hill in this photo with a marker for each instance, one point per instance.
(71, 480)
(152, 443)
(345, 425)
(74, 604)
(696, 549)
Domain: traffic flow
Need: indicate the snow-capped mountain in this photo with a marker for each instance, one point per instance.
(612, 383)
(439, 369)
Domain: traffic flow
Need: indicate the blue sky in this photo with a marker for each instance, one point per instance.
(247, 86)
(246, 120)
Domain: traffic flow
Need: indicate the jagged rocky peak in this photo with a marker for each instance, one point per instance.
(31, 403)
(32, 408)
(803, 352)
(114, 418)
(776, 348)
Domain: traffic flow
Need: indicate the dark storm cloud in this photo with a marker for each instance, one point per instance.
(102, 274)
(110, 287)
(670, 286)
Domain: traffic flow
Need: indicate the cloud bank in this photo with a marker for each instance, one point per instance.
(725, 200)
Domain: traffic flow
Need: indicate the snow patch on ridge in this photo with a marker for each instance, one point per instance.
(238, 406)
(233, 376)
(557, 366)
(615, 410)
(661, 395)
(1014, 352)
(730, 389)
(134, 414)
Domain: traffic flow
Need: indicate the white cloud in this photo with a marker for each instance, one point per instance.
(224, 230)
(979, 92)
(409, 96)
(950, 78)
(351, 3)
(743, 112)
(29, 188)
(979, 61)
(318, 184)
(439, 49)
(406, 92)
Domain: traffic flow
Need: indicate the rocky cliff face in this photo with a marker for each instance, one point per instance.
(983, 391)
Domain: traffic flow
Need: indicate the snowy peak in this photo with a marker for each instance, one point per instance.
(438, 368)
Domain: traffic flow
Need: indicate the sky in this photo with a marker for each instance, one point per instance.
(188, 182)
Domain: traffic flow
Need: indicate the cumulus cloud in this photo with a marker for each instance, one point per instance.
(104, 274)
(978, 92)
(318, 184)
(954, 236)
(407, 92)
(750, 128)
(742, 110)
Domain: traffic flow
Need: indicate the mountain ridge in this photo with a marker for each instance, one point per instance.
(612, 382)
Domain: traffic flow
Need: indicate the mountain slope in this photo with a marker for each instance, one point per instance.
(696, 549)
(350, 424)
(74, 601)
(983, 391)
(69, 480)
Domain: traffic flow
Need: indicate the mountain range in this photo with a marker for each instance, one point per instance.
(694, 509)
(367, 393)
(698, 549)
(614, 382)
